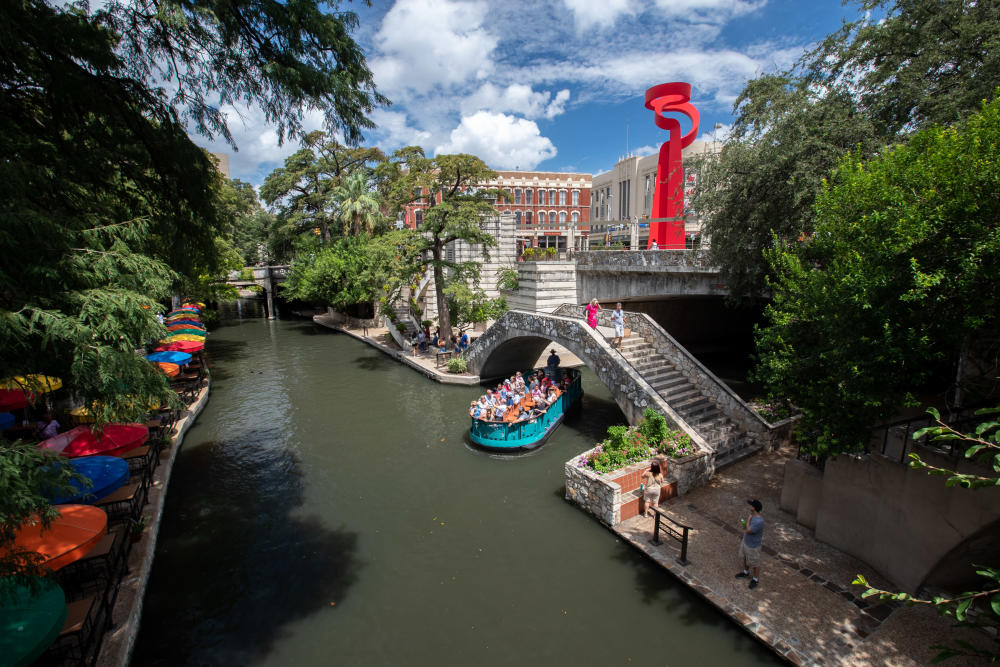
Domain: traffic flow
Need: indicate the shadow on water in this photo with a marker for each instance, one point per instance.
(261, 566)
(226, 350)
(375, 362)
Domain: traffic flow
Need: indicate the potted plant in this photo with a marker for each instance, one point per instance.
(136, 528)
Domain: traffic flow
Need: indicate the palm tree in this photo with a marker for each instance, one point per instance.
(357, 205)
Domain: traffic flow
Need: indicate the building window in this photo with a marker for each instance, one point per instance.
(647, 199)
(552, 197)
(541, 217)
(517, 196)
(576, 197)
(527, 217)
(562, 218)
(562, 197)
(419, 215)
(552, 218)
(517, 218)
(541, 197)
(576, 217)
(527, 197)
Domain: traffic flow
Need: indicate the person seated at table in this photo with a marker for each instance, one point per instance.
(47, 428)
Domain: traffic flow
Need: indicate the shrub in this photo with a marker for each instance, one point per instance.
(400, 327)
(631, 444)
(528, 254)
(551, 252)
(457, 365)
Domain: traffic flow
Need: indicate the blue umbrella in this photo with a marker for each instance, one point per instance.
(107, 473)
(6, 420)
(170, 357)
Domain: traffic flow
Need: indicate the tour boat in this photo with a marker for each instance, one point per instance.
(526, 435)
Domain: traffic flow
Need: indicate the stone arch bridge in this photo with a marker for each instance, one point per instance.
(651, 370)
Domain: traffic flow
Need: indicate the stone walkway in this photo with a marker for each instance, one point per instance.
(426, 363)
(805, 608)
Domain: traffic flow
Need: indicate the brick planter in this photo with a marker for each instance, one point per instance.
(613, 496)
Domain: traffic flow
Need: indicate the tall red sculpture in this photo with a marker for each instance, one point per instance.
(667, 219)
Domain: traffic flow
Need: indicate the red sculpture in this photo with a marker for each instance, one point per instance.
(667, 221)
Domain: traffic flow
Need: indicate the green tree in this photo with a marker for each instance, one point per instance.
(353, 270)
(458, 208)
(246, 223)
(357, 205)
(303, 188)
(903, 266)
(469, 304)
(903, 65)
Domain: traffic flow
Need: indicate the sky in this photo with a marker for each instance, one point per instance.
(554, 85)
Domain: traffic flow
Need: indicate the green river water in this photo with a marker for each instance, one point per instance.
(327, 509)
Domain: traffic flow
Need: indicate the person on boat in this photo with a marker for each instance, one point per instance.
(591, 311)
(474, 409)
(499, 411)
(651, 480)
(552, 365)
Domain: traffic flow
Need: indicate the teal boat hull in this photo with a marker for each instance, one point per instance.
(527, 435)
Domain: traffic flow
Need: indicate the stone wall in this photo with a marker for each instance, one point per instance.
(903, 522)
(543, 286)
(613, 497)
(354, 322)
(623, 274)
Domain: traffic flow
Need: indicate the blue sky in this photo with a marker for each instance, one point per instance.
(552, 85)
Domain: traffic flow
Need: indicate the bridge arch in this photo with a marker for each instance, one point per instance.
(518, 338)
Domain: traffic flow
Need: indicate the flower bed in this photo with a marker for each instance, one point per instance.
(629, 444)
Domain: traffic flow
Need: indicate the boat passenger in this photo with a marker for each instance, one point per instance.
(473, 409)
(499, 411)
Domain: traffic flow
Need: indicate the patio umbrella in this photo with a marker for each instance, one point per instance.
(13, 399)
(184, 320)
(106, 473)
(200, 333)
(178, 338)
(169, 357)
(170, 370)
(6, 420)
(58, 443)
(182, 346)
(115, 440)
(186, 324)
(76, 531)
(30, 623)
(35, 383)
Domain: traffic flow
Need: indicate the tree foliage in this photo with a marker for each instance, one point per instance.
(903, 265)
(457, 210)
(303, 188)
(902, 66)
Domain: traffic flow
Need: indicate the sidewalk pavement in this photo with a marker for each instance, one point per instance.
(805, 608)
(426, 362)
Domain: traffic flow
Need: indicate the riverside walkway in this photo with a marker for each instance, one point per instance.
(805, 609)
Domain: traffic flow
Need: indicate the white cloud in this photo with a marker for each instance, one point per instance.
(425, 44)
(643, 151)
(258, 151)
(718, 11)
(517, 98)
(501, 140)
(718, 133)
(598, 13)
(395, 131)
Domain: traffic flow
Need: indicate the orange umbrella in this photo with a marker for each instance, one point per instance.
(170, 370)
(69, 538)
(178, 327)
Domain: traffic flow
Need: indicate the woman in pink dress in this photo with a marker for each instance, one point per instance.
(592, 309)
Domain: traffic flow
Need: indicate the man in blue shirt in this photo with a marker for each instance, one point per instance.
(753, 537)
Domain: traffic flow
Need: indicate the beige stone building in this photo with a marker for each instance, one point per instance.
(622, 199)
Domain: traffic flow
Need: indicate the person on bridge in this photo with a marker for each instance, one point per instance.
(591, 310)
(618, 320)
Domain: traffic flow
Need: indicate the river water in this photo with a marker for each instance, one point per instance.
(326, 508)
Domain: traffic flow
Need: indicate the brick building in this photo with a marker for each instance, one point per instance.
(550, 209)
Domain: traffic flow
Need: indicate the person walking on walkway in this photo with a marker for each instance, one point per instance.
(753, 537)
(591, 310)
(618, 320)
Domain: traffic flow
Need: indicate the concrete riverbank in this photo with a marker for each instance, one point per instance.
(116, 649)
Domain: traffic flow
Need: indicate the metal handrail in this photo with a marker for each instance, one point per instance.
(961, 419)
(675, 529)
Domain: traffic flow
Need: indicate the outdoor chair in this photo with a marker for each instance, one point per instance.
(79, 641)
(124, 504)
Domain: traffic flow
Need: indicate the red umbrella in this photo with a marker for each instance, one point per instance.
(12, 399)
(116, 439)
(188, 346)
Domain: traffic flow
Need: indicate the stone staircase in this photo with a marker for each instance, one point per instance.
(725, 438)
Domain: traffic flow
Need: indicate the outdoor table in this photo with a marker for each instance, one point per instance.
(29, 624)
(107, 474)
(179, 358)
(68, 538)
